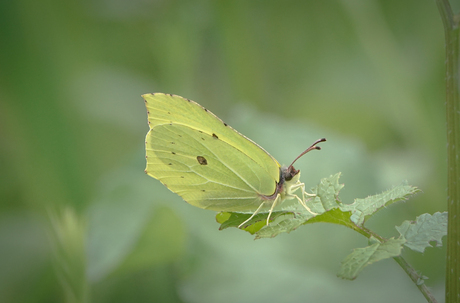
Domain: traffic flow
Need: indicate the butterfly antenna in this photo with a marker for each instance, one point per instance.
(312, 147)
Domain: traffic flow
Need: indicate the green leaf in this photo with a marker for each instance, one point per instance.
(324, 203)
(354, 263)
(228, 219)
(284, 224)
(425, 229)
(326, 193)
(289, 224)
(362, 209)
(335, 216)
(293, 215)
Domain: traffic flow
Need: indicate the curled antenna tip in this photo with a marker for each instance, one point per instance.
(312, 147)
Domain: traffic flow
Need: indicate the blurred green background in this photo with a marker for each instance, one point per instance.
(79, 219)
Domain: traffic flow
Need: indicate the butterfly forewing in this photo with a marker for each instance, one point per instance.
(203, 160)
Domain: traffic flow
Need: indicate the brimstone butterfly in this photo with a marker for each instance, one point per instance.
(212, 166)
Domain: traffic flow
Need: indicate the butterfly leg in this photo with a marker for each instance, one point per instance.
(252, 216)
(304, 193)
(278, 197)
(302, 201)
(258, 209)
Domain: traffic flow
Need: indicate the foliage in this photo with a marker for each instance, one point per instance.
(414, 235)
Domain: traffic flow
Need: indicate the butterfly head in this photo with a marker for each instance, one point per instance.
(288, 173)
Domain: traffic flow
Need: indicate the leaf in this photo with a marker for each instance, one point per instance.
(287, 225)
(326, 193)
(335, 216)
(292, 216)
(362, 209)
(228, 219)
(425, 229)
(354, 263)
(324, 203)
(284, 225)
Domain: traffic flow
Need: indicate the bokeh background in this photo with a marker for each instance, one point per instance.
(81, 222)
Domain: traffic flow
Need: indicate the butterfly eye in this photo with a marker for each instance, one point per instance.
(202, 160)
(290, 173)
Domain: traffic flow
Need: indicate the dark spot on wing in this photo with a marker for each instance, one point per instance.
(200, 131)
(173, 142)
(173, 153)
(202, 138)
(225, 124)
(202, 160)
(203, 190)
(169, 163)
(205, 109)
(215, 136)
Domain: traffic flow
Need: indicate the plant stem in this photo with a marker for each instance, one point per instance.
(414, 276)
(452, 36)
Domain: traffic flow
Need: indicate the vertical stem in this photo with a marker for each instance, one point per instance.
(452, 32)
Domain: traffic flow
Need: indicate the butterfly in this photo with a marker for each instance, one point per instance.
(212, 166)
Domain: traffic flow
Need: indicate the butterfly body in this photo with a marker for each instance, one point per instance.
(208, 163)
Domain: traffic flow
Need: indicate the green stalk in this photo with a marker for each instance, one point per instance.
(452, 32)
(410, 271)
(416, 278)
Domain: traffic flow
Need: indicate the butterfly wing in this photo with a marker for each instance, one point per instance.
(202, 159)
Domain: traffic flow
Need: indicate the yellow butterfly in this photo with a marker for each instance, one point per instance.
(212, 166)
